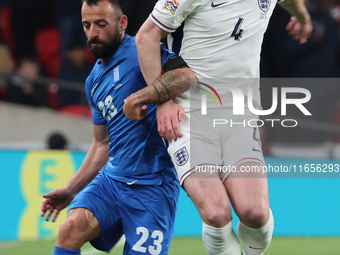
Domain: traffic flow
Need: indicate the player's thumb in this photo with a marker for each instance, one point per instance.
(142, 113)
(144, 108)
(50, 194)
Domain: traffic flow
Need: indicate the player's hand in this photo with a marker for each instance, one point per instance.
(168, 116)
(299, 31)
(134, 111)
(55, 201)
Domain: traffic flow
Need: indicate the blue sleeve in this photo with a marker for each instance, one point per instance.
(166, 54)
(97, 117)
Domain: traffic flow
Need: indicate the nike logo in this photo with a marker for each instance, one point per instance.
(256, 248)
(216, 5)
(130, 183)
(256, 150)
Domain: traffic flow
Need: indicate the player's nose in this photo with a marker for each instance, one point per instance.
(93, 32)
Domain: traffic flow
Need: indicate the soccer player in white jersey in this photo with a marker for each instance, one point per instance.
(221, 39)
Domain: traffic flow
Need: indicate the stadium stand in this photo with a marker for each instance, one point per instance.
(48, 46)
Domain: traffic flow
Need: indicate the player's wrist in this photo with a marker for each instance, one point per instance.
(136, 100)
(70, 190)
(303, 17)
(298, 9)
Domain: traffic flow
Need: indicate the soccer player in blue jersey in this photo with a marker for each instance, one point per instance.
(136, 190)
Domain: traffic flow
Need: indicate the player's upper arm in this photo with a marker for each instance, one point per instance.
(101, 136)
(148, 31)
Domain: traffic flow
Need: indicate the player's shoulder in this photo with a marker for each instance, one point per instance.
(93, 71)
(129, 45)
(91, 77)
(130, 40)
(89, 81)
(129, 55)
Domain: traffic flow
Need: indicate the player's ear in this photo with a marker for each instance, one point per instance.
(123, 22)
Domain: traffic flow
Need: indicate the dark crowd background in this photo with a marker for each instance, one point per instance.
(45, 38)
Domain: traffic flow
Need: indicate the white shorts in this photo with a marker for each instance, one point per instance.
(234, 140)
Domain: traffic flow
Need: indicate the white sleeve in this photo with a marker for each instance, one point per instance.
(168, 15)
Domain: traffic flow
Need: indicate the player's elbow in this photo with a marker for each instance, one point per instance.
(193, 78)
(149, 33)
(144, 37)
(184, 78)
(141, 38)
(189, 77)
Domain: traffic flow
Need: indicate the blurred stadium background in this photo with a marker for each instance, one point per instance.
(305, 206)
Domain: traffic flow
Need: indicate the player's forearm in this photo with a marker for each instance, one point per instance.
(95, 159)
(170, 85)
(296, 8)
(149, 57)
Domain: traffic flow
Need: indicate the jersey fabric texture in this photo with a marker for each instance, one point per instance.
(221, 39)
(141, 212)
(137, 152)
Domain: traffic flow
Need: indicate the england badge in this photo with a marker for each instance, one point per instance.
(181, 156)
(264, 5)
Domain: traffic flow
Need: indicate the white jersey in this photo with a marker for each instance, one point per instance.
(221, 38)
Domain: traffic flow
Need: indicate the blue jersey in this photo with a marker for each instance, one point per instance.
(137, 152)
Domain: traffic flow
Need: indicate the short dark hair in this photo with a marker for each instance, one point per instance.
(57, 141)
(115, 3)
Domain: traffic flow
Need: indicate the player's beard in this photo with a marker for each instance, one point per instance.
(107, 48)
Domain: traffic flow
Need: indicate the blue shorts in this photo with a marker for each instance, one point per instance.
(144, 213)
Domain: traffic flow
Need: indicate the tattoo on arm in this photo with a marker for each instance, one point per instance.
(170, 85)
(165, 87)
(158, 95)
